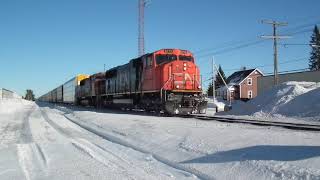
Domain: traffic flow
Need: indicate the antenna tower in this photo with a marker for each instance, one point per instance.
(142, 4)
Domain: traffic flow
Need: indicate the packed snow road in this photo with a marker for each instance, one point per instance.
(44, 141)
(40, 143)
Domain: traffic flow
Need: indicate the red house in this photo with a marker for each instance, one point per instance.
(242, 85)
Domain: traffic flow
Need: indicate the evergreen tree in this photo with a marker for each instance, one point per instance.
(210, 88)
(219, 82)
(314, 61)
(29, 95)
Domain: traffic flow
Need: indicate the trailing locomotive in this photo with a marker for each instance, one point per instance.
(166, 80)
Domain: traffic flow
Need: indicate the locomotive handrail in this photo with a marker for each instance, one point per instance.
(164, 86)
(196, 81)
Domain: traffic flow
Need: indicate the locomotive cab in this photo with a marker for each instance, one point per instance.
(179, 82)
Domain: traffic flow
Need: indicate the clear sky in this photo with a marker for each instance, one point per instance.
(43, 43)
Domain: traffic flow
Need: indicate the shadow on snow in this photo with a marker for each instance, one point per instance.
(261, 152)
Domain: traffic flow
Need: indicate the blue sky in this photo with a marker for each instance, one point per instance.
(44, 43)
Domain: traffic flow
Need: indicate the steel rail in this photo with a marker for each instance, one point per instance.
(288, 125)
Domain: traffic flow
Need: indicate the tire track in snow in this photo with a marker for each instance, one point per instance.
(4, 134)
(17, 130)
(32, 159)
(25, 134)
(104, 157)
(42, 156)
(116, 140)
(98, 149)
(24, 160)
(93, 151)
(55, 126)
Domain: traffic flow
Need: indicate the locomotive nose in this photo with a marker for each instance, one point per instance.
(184, 76)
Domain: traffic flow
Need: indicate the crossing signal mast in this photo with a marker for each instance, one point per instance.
(142, 5)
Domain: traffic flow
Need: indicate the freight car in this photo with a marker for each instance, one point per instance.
(166, 80)
(65, 93)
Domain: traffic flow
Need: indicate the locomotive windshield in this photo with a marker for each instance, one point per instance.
(165, 58)
(185, 58)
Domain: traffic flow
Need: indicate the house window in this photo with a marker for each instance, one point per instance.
(249, 94)
(249, 81)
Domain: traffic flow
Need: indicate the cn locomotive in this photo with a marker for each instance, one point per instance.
(166, 80)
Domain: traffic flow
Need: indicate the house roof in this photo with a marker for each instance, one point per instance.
(239, 76)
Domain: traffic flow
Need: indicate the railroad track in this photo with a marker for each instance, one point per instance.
(288, 125)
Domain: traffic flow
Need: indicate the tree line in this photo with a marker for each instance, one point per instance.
(29, 95)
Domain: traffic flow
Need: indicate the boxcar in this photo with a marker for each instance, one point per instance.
(69, 88)
(60, 94)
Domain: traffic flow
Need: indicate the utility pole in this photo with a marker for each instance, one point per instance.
(213, 79)
(275, 37)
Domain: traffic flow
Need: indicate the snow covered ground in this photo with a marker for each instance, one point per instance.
(44, 141)
(290, 101)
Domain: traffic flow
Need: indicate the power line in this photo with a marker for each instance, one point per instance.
(230, 43)
(234, 45)
(265, 65)
(284, 62)
(226, 50)
(300, 27)
(232, 48)
(290, 71)
(221, 46)
(247, 44)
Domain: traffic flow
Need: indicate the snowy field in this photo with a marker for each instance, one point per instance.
(43, 141)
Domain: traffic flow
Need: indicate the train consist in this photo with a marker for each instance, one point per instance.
(166, 80)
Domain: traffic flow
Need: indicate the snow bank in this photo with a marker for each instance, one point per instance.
(8, 106)
(290, 99)
(216, 103)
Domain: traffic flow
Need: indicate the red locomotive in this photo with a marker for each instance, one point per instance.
(166, 80)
